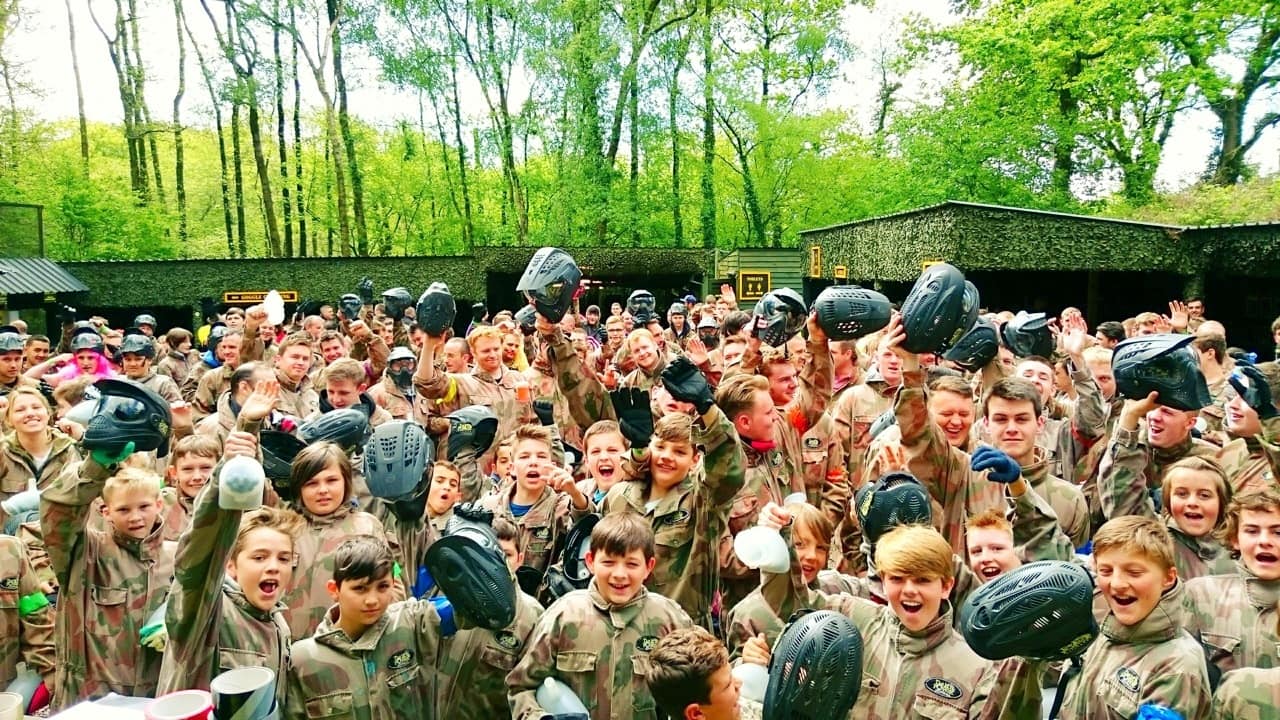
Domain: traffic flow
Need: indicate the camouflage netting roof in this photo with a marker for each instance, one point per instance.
(987, 237)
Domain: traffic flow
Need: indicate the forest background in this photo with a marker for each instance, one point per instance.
(279, 128)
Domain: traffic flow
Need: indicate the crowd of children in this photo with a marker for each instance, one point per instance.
(614, 460)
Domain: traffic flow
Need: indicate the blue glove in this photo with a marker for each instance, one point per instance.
(1157, 712)
(25, 501)
(444, 608)
(1004, 469)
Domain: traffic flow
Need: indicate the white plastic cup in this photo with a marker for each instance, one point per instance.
(11, 706)
(754, 679)
(240, 484)
(795, 498)
(181, 705)
(274, 305)
(762, 548)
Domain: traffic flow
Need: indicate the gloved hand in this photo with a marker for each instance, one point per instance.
(686, 383)
(365, 290)
(25, 501)
(545, 412)
(444, 608)
(635, 418)
(156, 638)
(109, 458)
(1252, 386)
(1004, 469)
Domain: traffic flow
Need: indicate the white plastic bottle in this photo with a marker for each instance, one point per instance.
(240, 484)
(557, 699)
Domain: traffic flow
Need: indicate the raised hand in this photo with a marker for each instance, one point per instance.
(262, 400)
(1179, 317)
(696, 351)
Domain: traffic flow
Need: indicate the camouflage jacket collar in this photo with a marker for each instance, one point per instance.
(636, 493)
(144, 379)
(1204, 549)
(291, 386)
(1263, 594)
(620, 615)
(1038, 471)
(147, 548)
(916, 643)
(1164, 622)
(329, 634)
(236, 595)
(321, 521)
(59, 443)
(543, 508)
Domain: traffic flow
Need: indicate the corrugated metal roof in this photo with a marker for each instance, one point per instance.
(36, 276)
(1028, 211)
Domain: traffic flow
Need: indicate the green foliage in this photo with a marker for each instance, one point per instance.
(1044, 102)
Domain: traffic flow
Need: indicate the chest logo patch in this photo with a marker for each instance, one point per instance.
(647, 643)
(507, 640)
(400, 660)
(542, 533)
(9, 584)
(812, 443)
(775, 458)
(676, 518)
(1128, 679)
(943, 688)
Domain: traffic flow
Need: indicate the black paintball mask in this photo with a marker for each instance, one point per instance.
(1042, 611)
(403, 376)
(349, 305)
(550, 282)
(815, 670)
(1165, 364)
(642, 306)
(395, 301)
(469, 567)
(778, 316)
(129, 412)
(436, 309)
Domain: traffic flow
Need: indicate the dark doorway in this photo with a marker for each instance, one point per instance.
(1247, 306)
(602, 291)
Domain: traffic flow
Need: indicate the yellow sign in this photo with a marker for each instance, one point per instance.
(926, 264)
(257, 296)
(842, 272)
(753, 284)
(815, 261)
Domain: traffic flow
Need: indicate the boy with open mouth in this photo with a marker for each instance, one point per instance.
(1234, 615)
(1143, 655)
(915, 665)
(597, 641)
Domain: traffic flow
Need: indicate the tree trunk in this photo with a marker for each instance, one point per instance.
(75, 69)
(216, 102)
(140, 98)
(468, 231)
(179, 159)
(348, 139)
(708, 213)
(137, 178)
(673, 95)
(242, 244)
(1230, 154)
(633, 186)
(505, 139)
(264, 176)
(297, 148)
(282, 143)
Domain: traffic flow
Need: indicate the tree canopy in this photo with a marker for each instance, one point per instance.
(632, 123)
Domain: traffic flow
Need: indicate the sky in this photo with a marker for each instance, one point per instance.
(42, 46)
